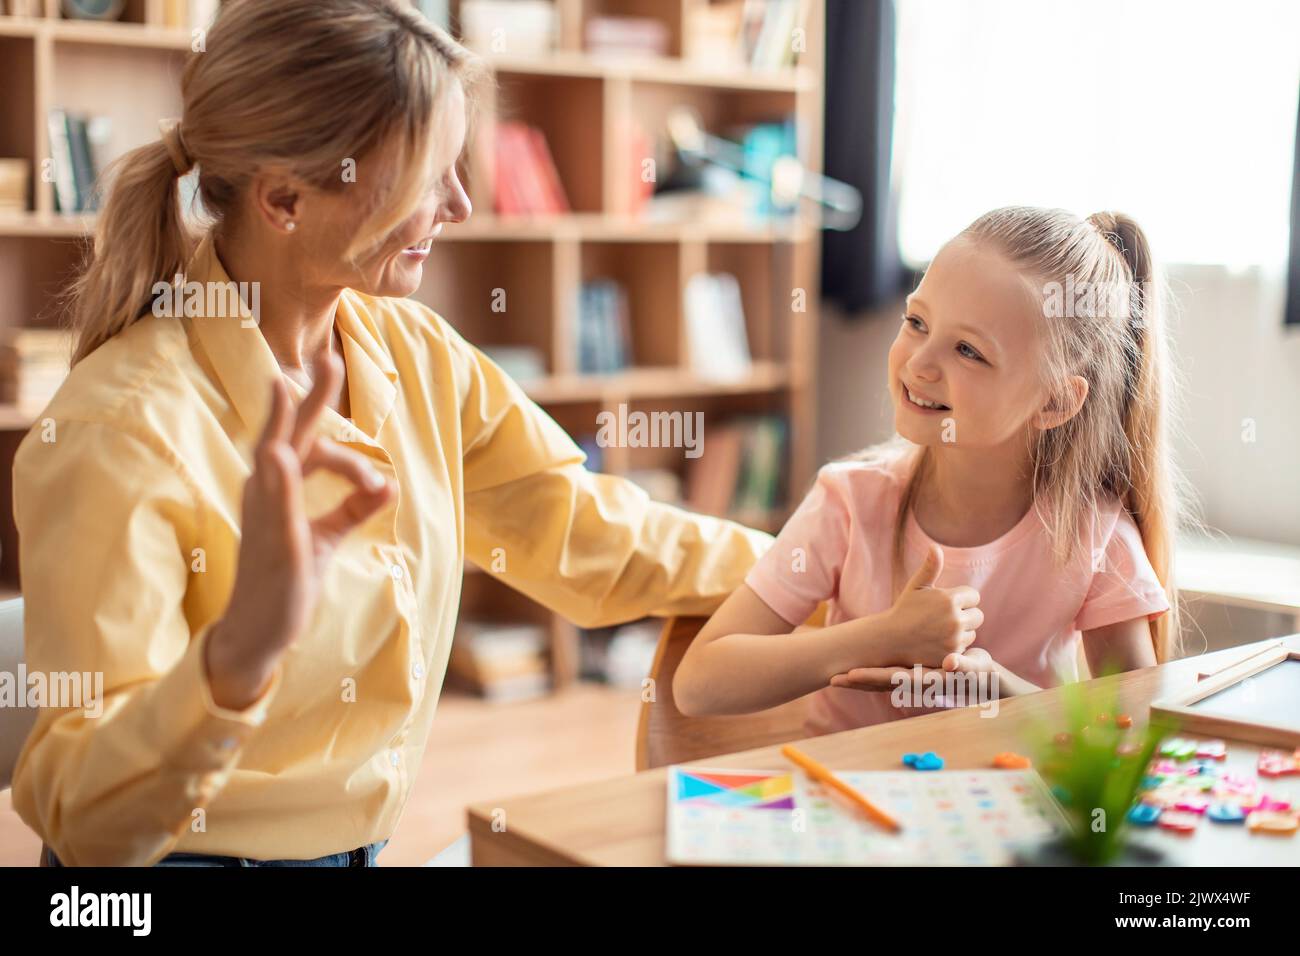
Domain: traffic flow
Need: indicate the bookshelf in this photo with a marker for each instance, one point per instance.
(583, 104)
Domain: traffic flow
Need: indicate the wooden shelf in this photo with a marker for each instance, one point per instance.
(665, 70)
(588, 108)
(485, 227)
(131, 35)
(650, 383)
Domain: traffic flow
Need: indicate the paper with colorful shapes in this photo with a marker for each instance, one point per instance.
(773, 818)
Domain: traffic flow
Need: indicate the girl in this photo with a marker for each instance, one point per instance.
(1029, 497)
(256, 527)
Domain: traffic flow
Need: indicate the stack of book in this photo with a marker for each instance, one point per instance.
(717, 344)
(740, 473)
(508, 27)
(77, 145)
(527, 182)
(760, 34)
(621, 37)
(189, 14)
(33, 364)
(604, 328)
(500, 661)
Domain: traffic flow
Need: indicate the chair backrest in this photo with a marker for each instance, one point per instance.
(15, 722)
(664, 736)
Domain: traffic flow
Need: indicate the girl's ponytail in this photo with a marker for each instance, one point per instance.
(140, 240)
(1151, 496)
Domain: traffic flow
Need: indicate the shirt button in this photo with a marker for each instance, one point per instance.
(418, 671)
(396, 571)
(394, 757)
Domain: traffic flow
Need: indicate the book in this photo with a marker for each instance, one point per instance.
(604, 328)
(33, 365)
(65, 183)
(527, 181)
(623, 37)
(502, 661)
(741, 474)
(717, 343)
(508, 27)
(83, 169)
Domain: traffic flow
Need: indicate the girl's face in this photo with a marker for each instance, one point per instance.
(969, 343)
(394, 267)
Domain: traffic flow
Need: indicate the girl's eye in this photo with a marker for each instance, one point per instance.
(914, 322)
(965, 349)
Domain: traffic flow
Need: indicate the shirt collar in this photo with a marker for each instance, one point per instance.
(245, 366)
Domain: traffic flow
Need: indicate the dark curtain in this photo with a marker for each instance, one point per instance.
(861, 269)
(1293, 262)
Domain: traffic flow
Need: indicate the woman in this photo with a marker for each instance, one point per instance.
(269, 584)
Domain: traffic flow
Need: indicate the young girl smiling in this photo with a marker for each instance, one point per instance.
(1027, 504)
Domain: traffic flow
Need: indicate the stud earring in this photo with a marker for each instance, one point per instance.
(290, 226)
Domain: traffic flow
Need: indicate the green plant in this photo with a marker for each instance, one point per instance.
(1095, 769)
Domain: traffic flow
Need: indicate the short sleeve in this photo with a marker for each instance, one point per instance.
(802, 568)
(1124, 585)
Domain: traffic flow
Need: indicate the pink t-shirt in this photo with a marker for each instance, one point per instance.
(837, 548)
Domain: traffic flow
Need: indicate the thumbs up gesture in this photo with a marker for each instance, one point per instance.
(929, 623)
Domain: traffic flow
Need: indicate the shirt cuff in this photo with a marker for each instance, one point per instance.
(199, 734)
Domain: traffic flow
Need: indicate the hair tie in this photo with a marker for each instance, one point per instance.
(171, 138)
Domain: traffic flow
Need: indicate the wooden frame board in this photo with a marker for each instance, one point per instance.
(1257, 676)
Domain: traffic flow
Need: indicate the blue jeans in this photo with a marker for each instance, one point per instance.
(361, 856)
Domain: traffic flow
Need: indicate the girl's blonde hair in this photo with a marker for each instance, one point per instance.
(1118, 443)
(301, 86)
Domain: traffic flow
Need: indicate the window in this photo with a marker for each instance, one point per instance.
(1180, 113)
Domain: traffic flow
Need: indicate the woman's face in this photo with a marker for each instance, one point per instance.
(330, 220)
(970, 342)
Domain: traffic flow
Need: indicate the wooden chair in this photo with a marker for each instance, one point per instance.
(665, 736)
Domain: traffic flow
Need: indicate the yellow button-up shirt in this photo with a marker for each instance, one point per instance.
(127, 495)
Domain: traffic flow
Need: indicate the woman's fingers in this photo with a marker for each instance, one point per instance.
(277, 420)
(330, 528)
(329, 375)
(351, 465)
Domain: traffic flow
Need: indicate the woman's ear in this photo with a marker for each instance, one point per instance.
(1061, 409)
(278, 199)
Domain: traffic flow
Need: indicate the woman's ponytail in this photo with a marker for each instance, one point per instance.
(140, 240)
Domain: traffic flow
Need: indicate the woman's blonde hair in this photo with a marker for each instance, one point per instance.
(297, 85)
(1118, 443)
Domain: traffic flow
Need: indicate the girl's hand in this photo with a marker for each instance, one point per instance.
(929, 623)
(973, 660)
(283, 553)
(872, 678)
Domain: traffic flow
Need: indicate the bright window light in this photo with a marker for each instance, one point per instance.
(1180, 113)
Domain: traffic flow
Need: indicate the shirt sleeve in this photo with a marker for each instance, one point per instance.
(803, 567)
(594, 548)
(1124, 585)
(107, 527)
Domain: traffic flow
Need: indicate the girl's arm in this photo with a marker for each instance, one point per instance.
(746, 658)
(1124, 646)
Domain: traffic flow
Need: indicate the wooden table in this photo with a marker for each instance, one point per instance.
(621, 822)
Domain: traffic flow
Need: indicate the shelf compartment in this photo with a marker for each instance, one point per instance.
(464, 281)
